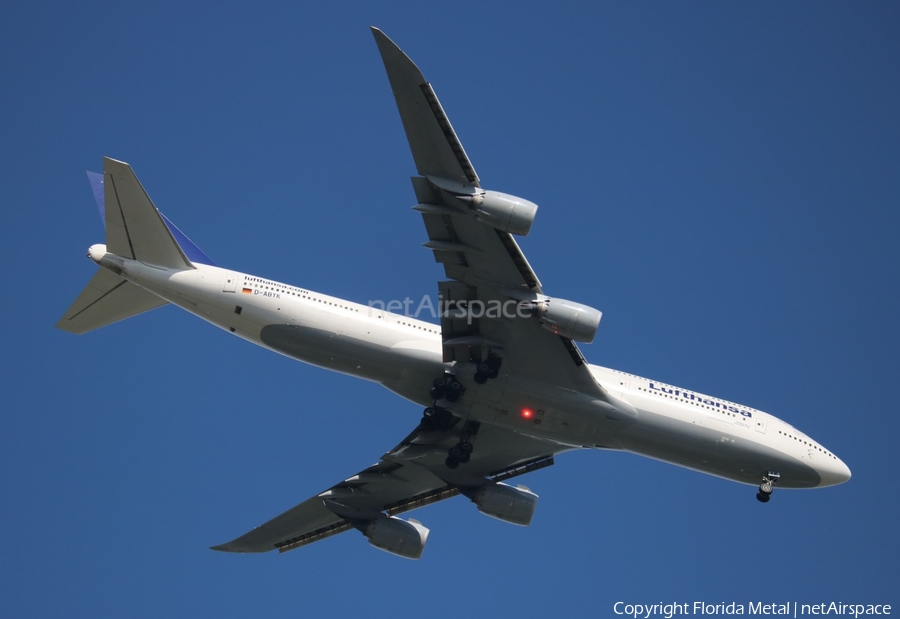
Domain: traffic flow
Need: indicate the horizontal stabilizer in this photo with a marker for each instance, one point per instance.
(107, 299)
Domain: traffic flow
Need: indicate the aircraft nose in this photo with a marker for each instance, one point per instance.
(833, 472)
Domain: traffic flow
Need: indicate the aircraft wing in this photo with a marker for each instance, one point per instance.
(483, 263)
(410, 476)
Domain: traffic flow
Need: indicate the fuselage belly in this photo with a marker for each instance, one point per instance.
(404, 354)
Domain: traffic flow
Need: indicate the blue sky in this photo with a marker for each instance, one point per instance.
(720, 179)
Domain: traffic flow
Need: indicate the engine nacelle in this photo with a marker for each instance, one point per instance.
(569, 319)
(398, 537)
(513, 505)
(503, 211)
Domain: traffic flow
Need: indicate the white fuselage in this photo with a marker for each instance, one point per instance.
(404, 354)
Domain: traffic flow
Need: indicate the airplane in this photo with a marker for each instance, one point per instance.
(502, 381)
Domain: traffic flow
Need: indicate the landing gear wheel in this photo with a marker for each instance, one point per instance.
(480, 378)
(435, 418)
(494, 373)
(451, 463)
(446, 387)
(767, 485)
(429, 418)
(465, 447)
(455, 453)
(484, 368)
(464, 458)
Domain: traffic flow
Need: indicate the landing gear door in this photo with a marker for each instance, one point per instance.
(230, 284)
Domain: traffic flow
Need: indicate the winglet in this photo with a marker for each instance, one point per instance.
(435, 148)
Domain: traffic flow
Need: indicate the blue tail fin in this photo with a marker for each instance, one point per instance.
(193, 253)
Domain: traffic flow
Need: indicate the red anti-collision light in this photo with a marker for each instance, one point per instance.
(527, 413)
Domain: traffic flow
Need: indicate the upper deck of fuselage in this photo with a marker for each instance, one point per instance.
(261, 288)
(726, 416)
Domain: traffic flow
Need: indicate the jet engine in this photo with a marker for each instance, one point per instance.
(397, 536)
(502, 211)
(566, 318)
(513, 505)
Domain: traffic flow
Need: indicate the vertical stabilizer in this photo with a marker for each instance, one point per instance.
(190, 249)
(135, 230)
(134, 227)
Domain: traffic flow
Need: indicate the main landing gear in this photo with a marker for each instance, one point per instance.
(766, 487)
(490, 368)
(462, 451)
(436, 418)
(446, 387)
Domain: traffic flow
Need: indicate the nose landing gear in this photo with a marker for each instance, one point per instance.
(766, 487)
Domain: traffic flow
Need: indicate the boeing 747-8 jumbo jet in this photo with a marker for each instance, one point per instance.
(502, 381)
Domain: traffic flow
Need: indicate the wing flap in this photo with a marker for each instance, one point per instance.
(489, 263)
(410, 476)
(307, 519)
(435, 148)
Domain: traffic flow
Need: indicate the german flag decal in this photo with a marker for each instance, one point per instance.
(246, 291)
